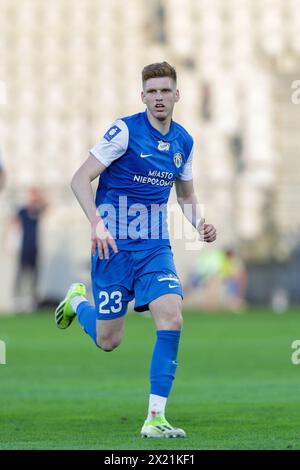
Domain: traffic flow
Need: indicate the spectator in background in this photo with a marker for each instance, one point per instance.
(27, 220)
(204, 270)
(233, 275)
(220, 279)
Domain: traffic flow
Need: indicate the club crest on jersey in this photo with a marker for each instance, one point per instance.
(177, 159)
(111, 133)
(163, 145)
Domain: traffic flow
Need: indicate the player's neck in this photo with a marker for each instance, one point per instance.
(161, 126)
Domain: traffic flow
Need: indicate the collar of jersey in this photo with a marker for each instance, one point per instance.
(171, 135)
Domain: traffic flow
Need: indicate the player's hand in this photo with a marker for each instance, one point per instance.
(207, 232)
(102, 238)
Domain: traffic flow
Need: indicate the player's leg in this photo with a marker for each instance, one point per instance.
(112, 290)
(106, 333)
(104, 322)
(76, 303)
(158, 289)
(166, 312)
(110, 333)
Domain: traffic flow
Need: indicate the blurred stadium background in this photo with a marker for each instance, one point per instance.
(70, 67)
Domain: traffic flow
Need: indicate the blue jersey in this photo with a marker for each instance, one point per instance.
(141, 167)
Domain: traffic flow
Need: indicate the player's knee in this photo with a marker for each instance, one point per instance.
(172, 317)
(175, 321)
(108, 344)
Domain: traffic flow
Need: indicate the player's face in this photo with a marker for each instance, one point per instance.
(160, 95)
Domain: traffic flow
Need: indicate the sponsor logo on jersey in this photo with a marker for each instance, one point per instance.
(177, 159)
(163, 145)
(111, 133)
(155, 178)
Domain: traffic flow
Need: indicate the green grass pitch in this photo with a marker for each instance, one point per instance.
(236, 387)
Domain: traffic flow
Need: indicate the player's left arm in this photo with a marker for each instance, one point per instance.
(190, 207)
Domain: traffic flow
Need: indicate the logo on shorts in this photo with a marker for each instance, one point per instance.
(177, 159)
(163, 145)
(168, 277)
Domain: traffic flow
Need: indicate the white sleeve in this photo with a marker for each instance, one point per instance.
(186, 173)
(113, 144)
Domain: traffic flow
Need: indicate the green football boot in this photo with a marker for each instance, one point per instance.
(64, 314)
(158, 427)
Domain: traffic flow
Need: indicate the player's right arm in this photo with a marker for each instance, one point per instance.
(111, 147)
(82, 188)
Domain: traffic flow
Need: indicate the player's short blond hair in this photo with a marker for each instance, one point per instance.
(159, 69)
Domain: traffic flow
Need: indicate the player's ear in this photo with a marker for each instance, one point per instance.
(177, 96)
(143, 96)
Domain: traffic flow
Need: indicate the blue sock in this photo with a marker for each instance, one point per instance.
(164, 362)
(86, 314)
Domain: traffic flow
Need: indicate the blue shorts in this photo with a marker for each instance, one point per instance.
(142, 275)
